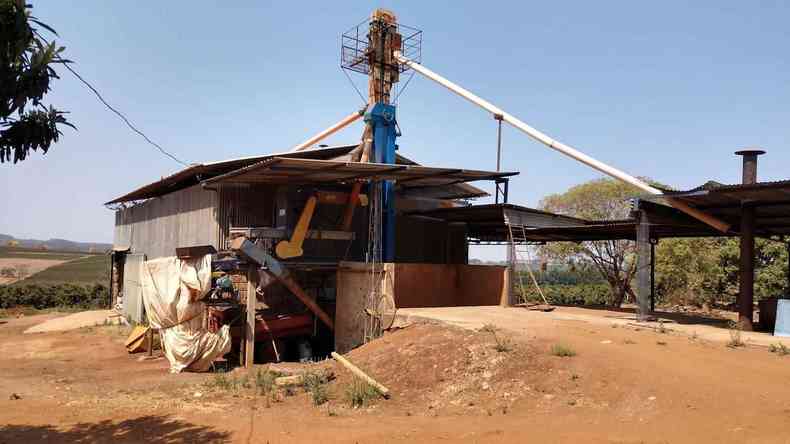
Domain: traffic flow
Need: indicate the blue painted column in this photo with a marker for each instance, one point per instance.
(382, 117)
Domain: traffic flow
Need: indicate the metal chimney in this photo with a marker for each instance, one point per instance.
(749, 165)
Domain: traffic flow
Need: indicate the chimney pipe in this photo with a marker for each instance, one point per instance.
(749, 165)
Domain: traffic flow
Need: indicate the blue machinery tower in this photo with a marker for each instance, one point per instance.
(381, 118)
(369, 48)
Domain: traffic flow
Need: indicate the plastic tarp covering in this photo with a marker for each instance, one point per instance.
(172, 289)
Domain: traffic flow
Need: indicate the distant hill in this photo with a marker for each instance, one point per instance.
(56, 244)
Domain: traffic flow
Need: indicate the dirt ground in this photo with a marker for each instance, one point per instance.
(624, 385)
(31, 266)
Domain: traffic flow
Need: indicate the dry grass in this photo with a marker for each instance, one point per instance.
(360, 394)
(562, 351)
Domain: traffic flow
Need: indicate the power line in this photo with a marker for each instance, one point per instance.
(119, 114)
(111, 108)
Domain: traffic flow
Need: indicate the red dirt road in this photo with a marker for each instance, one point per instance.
(448, 384)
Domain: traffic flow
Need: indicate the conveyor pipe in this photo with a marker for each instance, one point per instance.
(348, 120)
(559, 146)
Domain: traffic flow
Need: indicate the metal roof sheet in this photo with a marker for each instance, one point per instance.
(281, 170)
(194, 174)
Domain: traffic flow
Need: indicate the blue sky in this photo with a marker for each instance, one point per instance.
(662, 89)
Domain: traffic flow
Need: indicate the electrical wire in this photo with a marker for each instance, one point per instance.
(111, 108)
(351, 81)
(126, 120)
(404, 86)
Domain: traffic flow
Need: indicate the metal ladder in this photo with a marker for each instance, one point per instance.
(518, 238)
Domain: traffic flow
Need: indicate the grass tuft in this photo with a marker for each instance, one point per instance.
(359, 393)
(314, 383)
(562, 351)
(780, 349)
(735, 336)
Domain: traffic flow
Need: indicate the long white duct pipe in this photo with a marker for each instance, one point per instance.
(348, 120)
(559, 146)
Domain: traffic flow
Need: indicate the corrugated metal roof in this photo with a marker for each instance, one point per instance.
(197, 173)
(280, 170)
(193, 174)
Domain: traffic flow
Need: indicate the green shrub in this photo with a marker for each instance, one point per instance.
(54, 296)
(581, 294)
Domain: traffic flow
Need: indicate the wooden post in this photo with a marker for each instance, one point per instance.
(643, 267)
(249, 349)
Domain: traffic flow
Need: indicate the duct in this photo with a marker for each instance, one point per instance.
(348, 120)
(559, 146)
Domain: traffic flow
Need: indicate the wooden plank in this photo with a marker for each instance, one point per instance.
(362, 375)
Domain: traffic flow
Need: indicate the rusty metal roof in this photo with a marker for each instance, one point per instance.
(281, 170)
(197, 173)
(193, 174)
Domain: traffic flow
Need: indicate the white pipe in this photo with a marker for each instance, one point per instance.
(348, 120)
(556, 145)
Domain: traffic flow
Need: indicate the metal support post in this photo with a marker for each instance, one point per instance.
(746, 281)
(653, 243)
(643, 268)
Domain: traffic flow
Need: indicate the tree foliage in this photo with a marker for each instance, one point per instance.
(602, 199)
(694, 271)
(704, 271)
(26, 73)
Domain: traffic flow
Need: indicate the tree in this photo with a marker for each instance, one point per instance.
(26, 72)
(704, 271)
(602, 199)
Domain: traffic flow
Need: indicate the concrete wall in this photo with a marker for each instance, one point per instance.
(411, 286)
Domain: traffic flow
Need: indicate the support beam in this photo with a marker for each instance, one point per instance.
(643, 267)
(276, 269)
(746, 270)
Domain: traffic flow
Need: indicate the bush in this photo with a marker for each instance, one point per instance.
(53, 296)
(582, 294)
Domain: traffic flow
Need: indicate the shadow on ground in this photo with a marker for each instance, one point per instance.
(147, 429)
(629, 313)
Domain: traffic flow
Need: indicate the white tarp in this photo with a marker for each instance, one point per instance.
(172, 289)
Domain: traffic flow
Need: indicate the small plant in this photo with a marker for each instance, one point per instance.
(502, 344)
(562, 351)
(735, 336)
(264, 380)
(359, 393)
(488, 328)
(661, 329)
(574, 377)
(780, 349)
(314, 383)
(221, 382)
